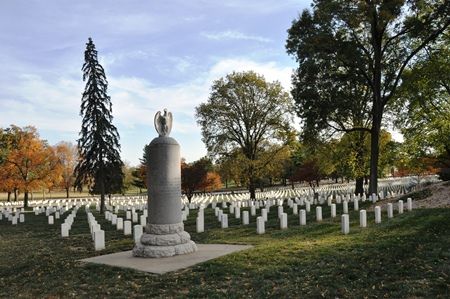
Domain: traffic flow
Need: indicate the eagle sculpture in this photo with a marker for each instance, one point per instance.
(163, 123)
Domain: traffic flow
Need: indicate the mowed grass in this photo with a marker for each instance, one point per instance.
(407, 256)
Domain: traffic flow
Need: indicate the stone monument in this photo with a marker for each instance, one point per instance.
(164, 234)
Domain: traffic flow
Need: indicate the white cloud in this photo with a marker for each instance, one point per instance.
(270, 70)
(55, 105)
(234, 35)
(46, 105)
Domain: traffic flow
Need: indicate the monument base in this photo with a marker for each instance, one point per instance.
(164, 240)
(151, 251)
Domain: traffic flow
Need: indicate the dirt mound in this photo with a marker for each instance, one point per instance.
(433, 196)
(440, 197)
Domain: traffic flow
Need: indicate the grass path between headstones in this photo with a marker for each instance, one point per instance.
(407, 256)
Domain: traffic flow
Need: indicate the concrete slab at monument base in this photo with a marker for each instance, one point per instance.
(204, 253)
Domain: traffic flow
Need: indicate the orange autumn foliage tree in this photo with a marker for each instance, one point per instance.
(32, 162)
(211, 182)
(8, 183)
(198, 176)
(67, 155)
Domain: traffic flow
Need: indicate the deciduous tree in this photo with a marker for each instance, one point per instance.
(376, 40)
(194, 176)
(245, 112)
(67, 155)
(30, 160)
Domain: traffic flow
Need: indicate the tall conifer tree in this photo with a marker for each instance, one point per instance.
(100, 166)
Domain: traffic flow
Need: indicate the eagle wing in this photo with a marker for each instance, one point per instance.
(169, 122)
(157, 122)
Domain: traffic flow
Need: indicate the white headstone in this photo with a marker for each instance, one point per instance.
(280, 211)
(345, 224)
(302, 217)
(283, 221)
(245, 218)
(50, 219)
(333, 210)
(400, 206)
(409, 204)
(237, 212)
(135, 217)
(64, 230)
(137, 233)
(377, 214)
(260, 225)
(363, 218)
(295, 209)
(99, 240)
(127, 227)
(355, 205)
(319, 213)
(390, 210)
(200, 224)
(119, 224)
(224, 222)
(264, 214)
(345, 207)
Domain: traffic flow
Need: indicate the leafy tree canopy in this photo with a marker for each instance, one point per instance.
(245, 112)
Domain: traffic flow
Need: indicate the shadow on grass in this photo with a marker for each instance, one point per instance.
(407, 256)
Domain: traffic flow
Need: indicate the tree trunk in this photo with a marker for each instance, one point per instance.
(374, 155)
(9, 195)
(359, 186)
(67, 192)
(252, 189)
(102, 191)
(377, 105)
(226, 183)
(25, 199)
(15, 194)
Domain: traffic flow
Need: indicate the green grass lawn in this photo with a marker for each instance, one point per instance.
(408, 256)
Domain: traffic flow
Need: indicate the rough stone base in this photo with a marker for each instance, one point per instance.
(152, 251)
(164, 240)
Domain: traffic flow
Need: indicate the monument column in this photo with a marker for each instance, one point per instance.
(164, 234)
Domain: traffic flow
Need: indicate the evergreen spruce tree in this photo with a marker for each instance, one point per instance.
(100, 166)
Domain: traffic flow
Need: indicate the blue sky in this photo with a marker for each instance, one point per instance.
(157, 54)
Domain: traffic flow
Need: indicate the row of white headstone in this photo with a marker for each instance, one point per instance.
(67, 225)
(345, 226)
(12, 215)
(389, 188)
(234, 208)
